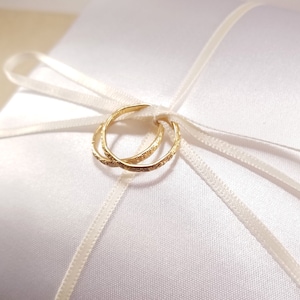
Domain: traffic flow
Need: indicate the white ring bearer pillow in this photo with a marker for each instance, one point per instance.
(214, 223)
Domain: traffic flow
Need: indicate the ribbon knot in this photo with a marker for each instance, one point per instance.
(108, 99)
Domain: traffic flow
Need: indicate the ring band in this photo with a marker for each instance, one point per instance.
(130, 164)
(134, 159)
(146, 167)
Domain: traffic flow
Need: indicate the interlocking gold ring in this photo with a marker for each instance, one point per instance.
(130, 163)
(134, 159)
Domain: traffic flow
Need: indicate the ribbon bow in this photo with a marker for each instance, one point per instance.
(108, 99)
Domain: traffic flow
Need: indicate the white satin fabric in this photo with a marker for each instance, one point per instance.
(162, 242)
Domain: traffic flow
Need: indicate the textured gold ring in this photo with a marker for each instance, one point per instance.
(134, 159)
(130, 164)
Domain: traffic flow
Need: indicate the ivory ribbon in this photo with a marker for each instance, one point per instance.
(108, 99)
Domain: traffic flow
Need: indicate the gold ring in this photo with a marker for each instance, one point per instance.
(134, 159)
(129, 164)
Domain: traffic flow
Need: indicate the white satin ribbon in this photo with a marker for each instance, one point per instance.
(108, 99)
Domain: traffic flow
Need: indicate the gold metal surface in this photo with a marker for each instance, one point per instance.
(130, 164)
